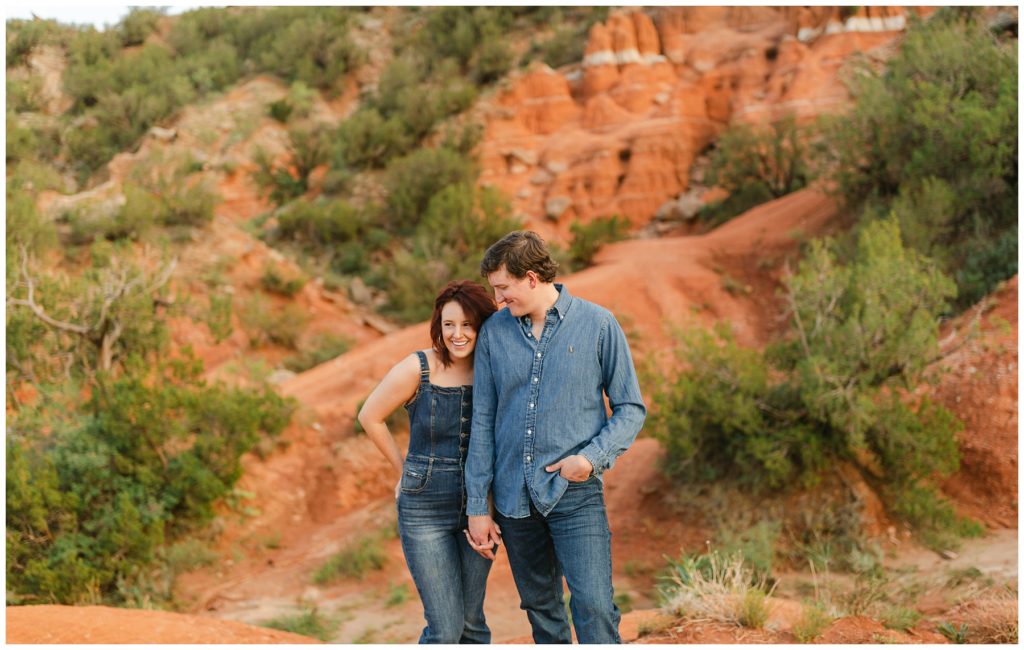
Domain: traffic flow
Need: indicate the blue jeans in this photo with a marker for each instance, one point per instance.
(449, 575)
(574, 540)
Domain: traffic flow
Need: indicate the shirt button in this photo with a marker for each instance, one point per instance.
(538, 355)
(535, 380)
(529, 458)
(529, 432)
(531, 404)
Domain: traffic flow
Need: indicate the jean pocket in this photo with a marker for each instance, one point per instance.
(414, 480)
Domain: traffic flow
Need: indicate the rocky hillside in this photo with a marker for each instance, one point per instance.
(626, 130)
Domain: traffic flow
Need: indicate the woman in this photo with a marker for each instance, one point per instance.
(436, 387)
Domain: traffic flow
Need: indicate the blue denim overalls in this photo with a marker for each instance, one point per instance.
(449, 575)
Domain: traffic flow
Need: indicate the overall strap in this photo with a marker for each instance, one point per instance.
(424, 367)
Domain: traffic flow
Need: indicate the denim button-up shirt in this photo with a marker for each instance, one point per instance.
(538, 401)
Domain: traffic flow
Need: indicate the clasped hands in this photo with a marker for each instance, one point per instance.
(484, 536)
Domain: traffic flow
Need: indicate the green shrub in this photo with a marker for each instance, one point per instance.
(279, 283)
(716, 422)
(26, 227)
(831, 390)
(262, 325)
(932, 517)
(588, 238)
(413, 181)
(928, 140)
(474, 37)
(24, 94)
(141, 466)
(280, 110)
(190, 204)
(25, 35)
(308, 148)
(333, 228)
(757, 162)
(138, 24)
(311, 45)
(367, 140)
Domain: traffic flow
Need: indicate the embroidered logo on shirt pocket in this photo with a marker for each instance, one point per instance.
(571, 350)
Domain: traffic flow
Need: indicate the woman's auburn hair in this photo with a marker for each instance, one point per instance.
(475, 302)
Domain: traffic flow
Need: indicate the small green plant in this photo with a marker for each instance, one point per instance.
(868, 591)
(397, 595)
(367, 636)
(280, 110)
(754, 609)
(813, 621)
(353, 561)
(954, 634)
(721, 588)
(734, 287)
(282, 326)
(900, 618)
(624, 601)
(280, 283)
(307, 622)
(218, 317)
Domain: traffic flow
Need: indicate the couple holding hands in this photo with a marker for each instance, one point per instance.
(509, 436)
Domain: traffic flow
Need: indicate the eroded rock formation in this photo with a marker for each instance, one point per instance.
(617, 133)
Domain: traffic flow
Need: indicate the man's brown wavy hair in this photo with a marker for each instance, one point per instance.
(520, 251)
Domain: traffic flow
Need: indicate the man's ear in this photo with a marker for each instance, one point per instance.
(533, 278)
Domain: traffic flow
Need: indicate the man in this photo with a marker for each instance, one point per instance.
(541, 439)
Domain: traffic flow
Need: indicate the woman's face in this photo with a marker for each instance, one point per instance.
(457, 331)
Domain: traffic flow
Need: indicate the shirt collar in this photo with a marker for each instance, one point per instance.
(561, 306)
(564, 300)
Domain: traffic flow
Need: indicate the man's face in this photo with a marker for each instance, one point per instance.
(516, 293)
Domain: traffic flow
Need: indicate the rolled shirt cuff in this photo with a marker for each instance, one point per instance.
(477, 506)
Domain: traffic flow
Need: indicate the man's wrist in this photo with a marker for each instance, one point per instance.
(594, 465)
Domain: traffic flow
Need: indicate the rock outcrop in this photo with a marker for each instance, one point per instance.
(654, 88)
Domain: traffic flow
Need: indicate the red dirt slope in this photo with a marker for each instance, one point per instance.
(978, 382)
(61, 624)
